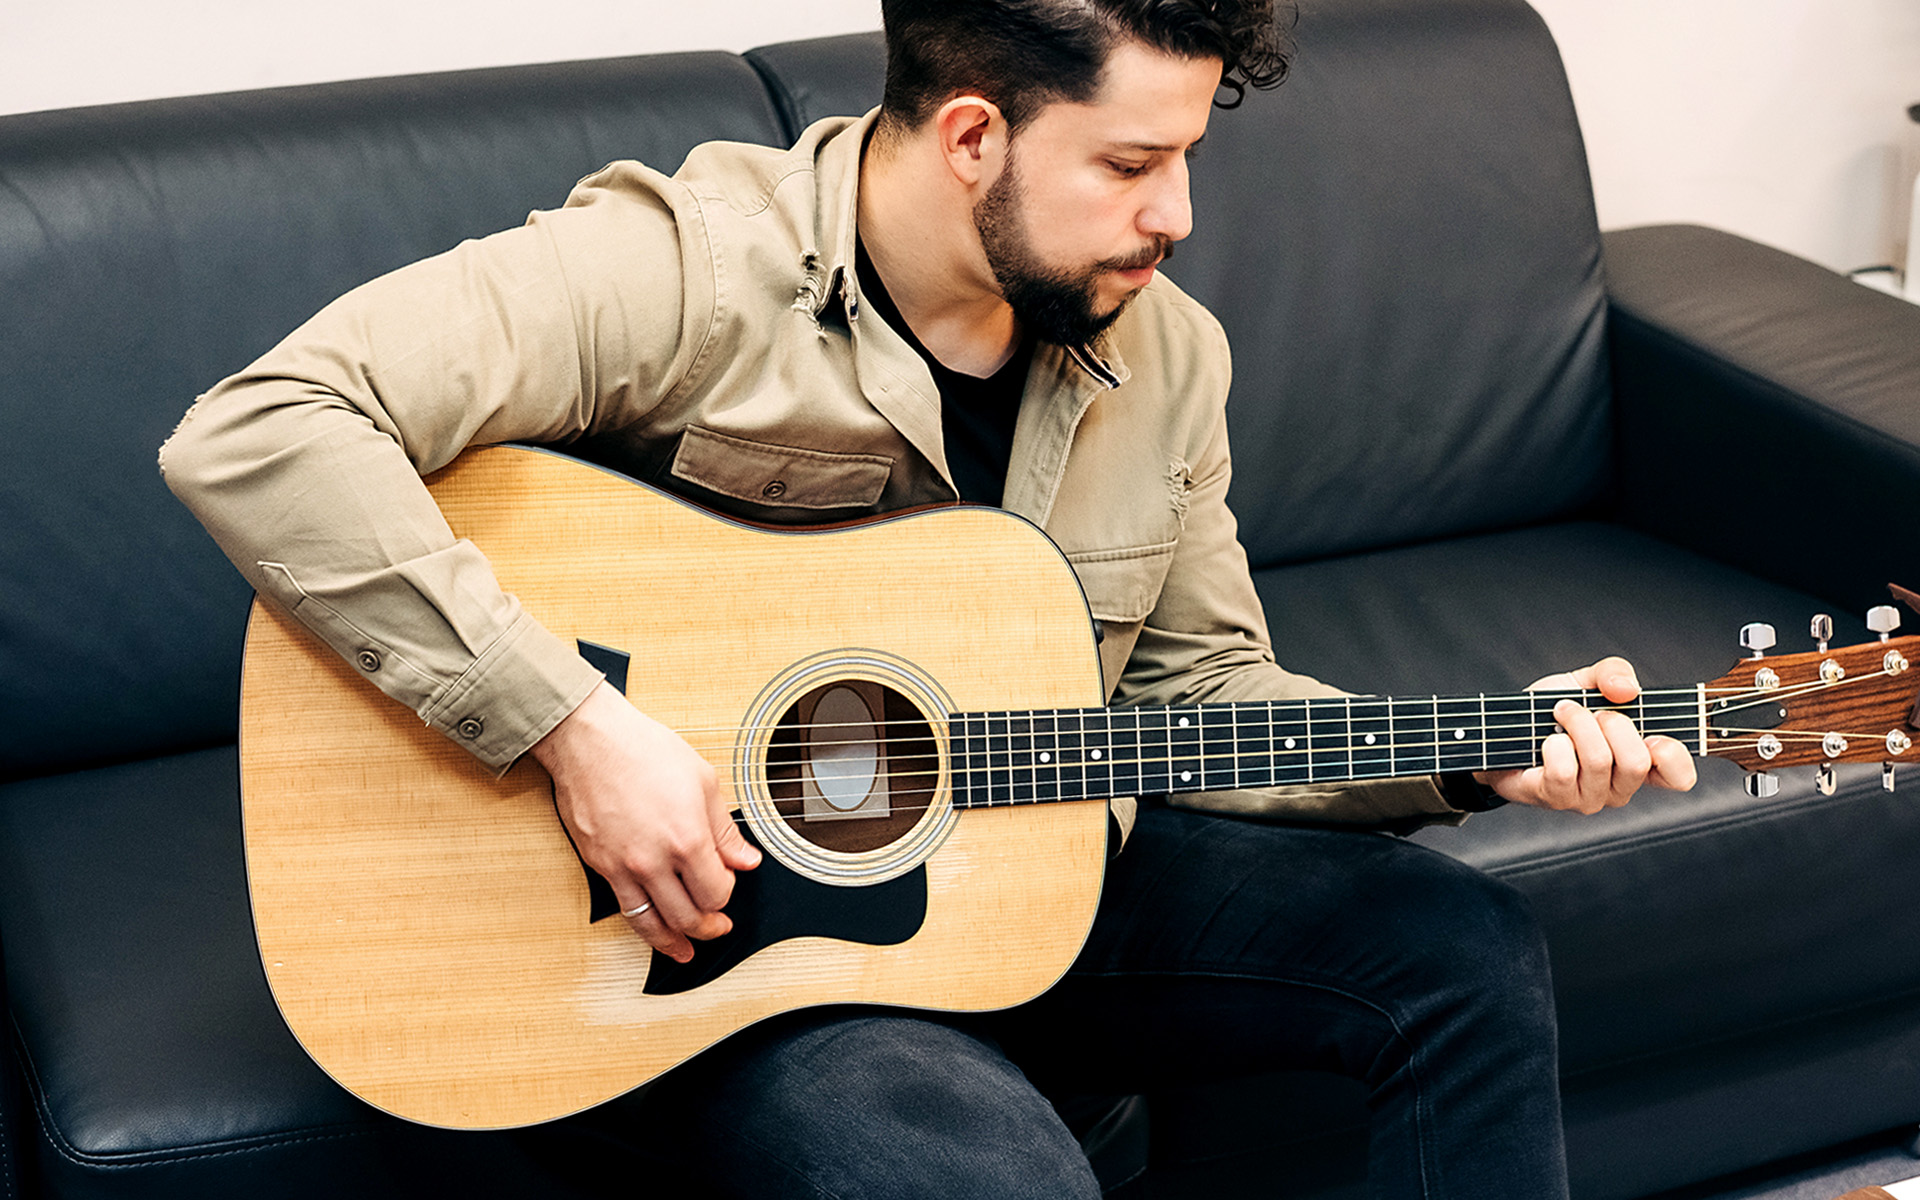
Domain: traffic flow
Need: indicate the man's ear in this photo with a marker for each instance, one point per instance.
(973, 140)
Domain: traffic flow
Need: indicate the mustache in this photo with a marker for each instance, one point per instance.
(1151, 255)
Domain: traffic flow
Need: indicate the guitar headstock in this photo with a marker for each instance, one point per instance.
(1825, 706)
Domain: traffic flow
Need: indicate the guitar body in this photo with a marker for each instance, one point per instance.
(428, 930)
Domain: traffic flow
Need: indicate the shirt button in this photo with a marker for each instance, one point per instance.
(774, 490)
(369, 661)
(471, 728)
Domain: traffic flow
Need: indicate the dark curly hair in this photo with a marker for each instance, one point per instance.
(1025, 54)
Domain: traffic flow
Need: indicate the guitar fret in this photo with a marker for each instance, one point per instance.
(1512, 737)
(1128, 769)
(1155, 753)
(1099, 743)
(1002, 758)
(1292, 741)
(999, 759)
(1253, 764)
(1071, 741)
(1220, 760)
(1186, 751)
(962, 768)
(1417, 750)
(1369, 738)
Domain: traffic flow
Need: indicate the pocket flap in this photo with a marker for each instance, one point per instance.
(779, 476)
(1123, 585)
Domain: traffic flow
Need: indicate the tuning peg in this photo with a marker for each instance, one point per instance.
(1822, 629)
(1762, 785)
(1824, 779)
(1757, 637)
(1883, 619)
(1886, 776)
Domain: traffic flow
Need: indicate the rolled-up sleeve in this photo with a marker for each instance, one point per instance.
(306, 466)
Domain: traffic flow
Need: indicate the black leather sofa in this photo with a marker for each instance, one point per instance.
(1475, 439)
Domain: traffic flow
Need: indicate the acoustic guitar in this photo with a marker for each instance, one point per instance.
(906, 716)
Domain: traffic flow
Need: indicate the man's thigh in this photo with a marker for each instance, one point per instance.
(850, 1103)
(1224, 947)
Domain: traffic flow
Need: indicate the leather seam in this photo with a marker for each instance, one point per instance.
(131, 1160)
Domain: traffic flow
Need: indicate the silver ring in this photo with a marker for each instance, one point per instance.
(636, 911)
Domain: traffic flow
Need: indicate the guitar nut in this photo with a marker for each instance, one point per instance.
(1898, 742)
(1894, 663)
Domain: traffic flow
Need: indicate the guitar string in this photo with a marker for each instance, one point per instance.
(1684, 700)
(1406, 746)
(1144, 785)
(1690, 707)
(1304, 757)
(1511, 738)
(1666, 699)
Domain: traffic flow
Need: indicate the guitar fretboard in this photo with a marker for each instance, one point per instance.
(1049, 755)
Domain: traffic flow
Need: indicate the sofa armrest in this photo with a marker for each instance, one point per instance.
(1767, 411)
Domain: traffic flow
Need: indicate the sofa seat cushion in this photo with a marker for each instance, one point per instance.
(157, 1061)
(130, 959)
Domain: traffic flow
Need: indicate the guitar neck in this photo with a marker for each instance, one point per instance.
(1040, 756)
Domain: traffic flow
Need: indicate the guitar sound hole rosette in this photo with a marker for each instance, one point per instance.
(864, 797)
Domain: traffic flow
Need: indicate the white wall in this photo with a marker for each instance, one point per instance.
(70, 52)
(1784, 120)
(1780, 119)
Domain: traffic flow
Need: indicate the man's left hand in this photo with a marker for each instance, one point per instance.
(1598, 759)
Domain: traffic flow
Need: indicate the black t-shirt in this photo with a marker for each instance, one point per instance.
(976, 415)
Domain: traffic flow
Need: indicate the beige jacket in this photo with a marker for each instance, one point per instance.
(705, 332)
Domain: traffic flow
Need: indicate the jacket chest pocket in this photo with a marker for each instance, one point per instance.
(769, 475)
(1123, 585)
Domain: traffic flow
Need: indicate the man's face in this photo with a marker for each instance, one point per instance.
(1093, 195)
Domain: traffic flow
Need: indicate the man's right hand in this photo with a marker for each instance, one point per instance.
(645, 812)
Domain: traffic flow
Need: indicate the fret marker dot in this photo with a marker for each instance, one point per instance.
(1183, 722)
(1096, 755)
(1369, 739)
(1289, 743)
(1458, 734)
(1045, 757)
(1186, 777)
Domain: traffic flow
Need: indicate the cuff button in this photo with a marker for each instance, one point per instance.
(471, 728)
(369, 661)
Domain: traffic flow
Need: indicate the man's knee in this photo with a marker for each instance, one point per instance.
(879, 1106)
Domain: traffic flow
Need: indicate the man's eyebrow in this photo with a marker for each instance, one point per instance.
(1160, 147)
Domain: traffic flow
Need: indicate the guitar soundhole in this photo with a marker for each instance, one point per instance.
(852, 766)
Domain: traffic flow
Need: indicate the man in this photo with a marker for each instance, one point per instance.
(957, 297)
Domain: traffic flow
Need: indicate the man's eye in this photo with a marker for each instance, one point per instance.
(1128, 170)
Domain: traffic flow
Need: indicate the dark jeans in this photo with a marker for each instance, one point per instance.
(1222, 948)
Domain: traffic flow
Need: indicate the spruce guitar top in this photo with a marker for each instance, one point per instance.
(924, 763)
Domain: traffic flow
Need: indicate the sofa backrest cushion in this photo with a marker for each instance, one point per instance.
(147, 250)
(1401, 243)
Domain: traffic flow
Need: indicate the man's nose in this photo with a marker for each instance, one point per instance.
(1169, 209)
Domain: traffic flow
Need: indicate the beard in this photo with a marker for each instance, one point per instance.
(1054, 304)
